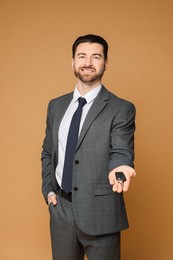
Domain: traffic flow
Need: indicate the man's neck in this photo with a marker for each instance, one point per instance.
(84, 88)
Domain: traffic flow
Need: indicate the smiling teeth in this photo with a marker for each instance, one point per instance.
(88, 70)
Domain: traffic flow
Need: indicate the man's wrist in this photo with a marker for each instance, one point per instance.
(51, 193)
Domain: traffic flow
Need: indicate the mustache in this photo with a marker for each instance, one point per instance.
(87, 67)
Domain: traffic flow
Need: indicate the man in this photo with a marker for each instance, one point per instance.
(87, 211)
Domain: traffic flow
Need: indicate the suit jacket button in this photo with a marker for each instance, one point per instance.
(76, 162)
(75, 188)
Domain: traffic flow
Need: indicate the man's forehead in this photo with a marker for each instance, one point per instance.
(89, 47)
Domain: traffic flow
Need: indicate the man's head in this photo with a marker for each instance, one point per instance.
(89, 60)
(90, 38)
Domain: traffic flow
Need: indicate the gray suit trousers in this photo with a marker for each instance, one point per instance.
(70, 243)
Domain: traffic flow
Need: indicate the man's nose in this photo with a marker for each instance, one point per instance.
(88, 61)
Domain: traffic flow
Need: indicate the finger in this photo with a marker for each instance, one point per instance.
(132, 173)
(115, 186)
(120, 187)
(52, 199)
(126, 185)
(111, 179)
(49, 201)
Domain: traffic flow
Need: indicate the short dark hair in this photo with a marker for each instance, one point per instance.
(92, 39)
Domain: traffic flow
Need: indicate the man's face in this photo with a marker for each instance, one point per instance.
(89, 63)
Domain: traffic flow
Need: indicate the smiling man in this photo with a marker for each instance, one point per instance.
(89, 140)
(89, 66)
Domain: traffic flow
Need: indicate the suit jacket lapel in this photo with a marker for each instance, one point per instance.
(98, 105)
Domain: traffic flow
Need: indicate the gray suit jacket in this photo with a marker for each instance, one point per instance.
(106, 141)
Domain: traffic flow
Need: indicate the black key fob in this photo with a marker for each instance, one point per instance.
(120, 176)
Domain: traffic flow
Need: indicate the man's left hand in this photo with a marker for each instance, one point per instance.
(118, 186)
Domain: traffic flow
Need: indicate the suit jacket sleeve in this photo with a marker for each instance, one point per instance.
(47, 154)
(122, 137)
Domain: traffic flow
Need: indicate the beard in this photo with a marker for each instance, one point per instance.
(88, 77)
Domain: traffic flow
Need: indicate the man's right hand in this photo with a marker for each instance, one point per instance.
(52, 199)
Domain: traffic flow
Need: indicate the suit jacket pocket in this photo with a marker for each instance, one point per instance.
(103, 189)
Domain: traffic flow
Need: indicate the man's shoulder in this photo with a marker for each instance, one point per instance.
(61, 101)
(116, 100)
(62, 98)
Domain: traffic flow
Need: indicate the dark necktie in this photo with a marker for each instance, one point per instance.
(71, 146)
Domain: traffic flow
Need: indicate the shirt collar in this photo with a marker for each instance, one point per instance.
(90, 96)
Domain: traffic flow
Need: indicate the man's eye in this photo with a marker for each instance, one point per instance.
(97, 57)
(81, 57)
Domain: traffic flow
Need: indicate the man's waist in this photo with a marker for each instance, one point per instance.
(67, 196)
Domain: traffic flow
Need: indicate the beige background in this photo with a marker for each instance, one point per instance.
(35, 59)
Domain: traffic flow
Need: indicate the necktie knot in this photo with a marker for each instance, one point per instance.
(82, 102)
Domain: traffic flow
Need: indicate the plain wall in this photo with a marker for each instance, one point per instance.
(35, 59)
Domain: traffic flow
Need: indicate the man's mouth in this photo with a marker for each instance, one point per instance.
(87, 70)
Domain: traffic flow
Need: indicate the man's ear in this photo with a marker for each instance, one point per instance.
(106, 64)
(72, 63)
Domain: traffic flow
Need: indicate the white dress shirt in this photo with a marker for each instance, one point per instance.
(65, 125)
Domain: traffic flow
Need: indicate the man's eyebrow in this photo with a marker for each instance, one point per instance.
(97, 54)
(82, 53)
